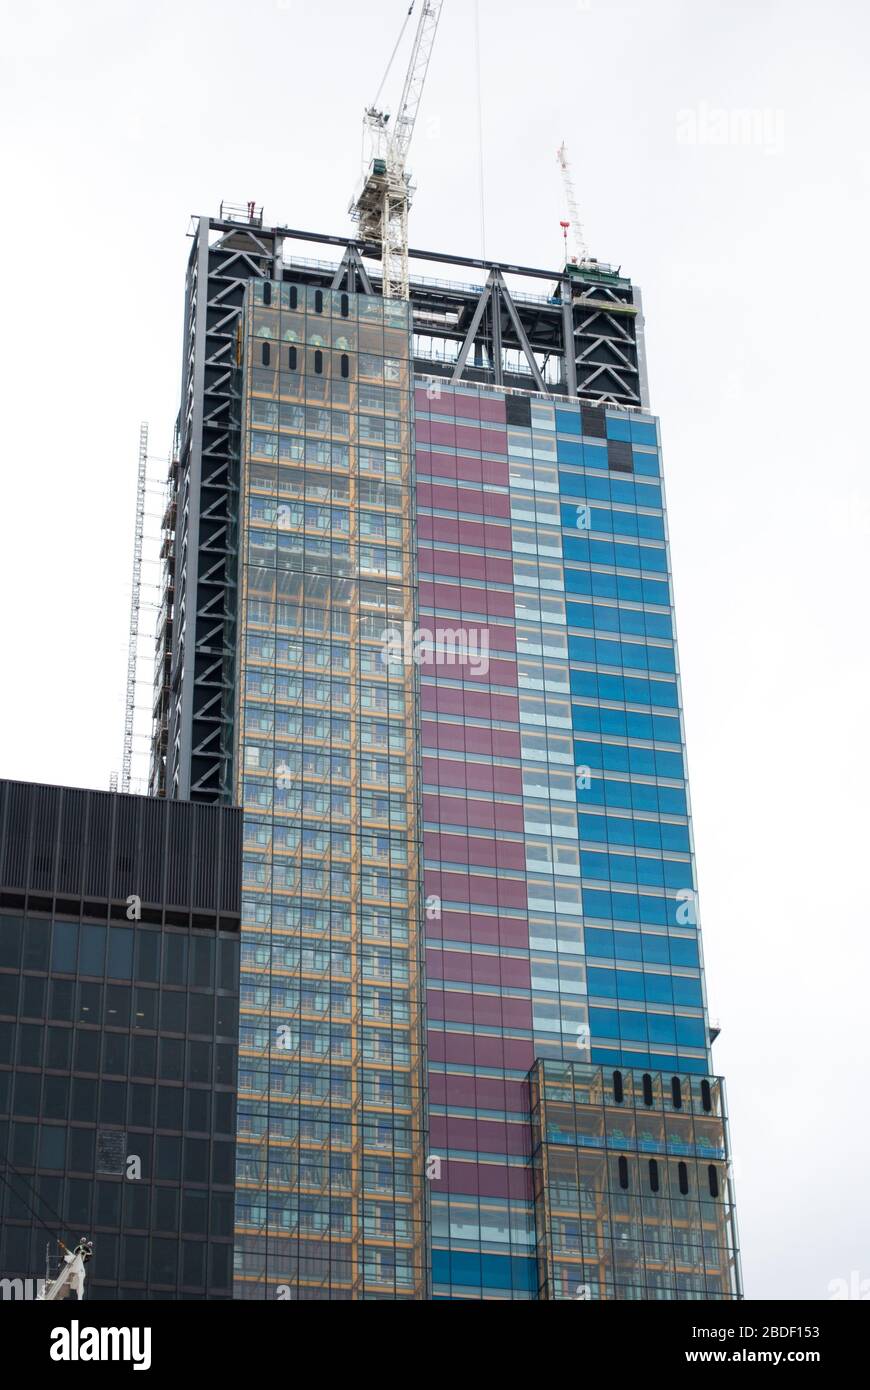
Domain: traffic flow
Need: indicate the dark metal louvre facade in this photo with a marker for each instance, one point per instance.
(64, 843)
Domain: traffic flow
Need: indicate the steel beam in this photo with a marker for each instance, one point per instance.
(521, 334)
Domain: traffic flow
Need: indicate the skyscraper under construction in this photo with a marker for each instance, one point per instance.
(418, 624)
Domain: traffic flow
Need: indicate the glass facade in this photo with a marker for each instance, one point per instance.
(458, 747)
(557, 839)
(119, 1044)
(330, 1173)
(118, 1038)
(632, 1191)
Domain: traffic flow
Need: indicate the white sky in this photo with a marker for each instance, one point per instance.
(120, 119)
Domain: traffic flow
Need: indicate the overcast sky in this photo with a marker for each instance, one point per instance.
(721, 157)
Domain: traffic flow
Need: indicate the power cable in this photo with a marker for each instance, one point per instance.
(480, 128)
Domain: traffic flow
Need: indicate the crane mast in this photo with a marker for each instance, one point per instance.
(381, 208)
(135, 596)
(581, 254)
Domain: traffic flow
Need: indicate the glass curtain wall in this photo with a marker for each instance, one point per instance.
(330, 1176)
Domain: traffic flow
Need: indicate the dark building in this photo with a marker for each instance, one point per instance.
(119, 971)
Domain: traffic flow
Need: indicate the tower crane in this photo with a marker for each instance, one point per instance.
(135, 596)
(581, 255)
(381, 208)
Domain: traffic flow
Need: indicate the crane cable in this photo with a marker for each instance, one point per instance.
(480, 129)
(32, 1210)
(395, 51)
(39, 1197)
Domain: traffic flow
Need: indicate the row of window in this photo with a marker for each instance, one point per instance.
(682, 1177)
(288, 294)
(160, 1261)
(200, 961)
(629, 1025)
(90, 1050)
(117, 1006)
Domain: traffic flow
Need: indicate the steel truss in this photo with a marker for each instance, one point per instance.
(579, 336)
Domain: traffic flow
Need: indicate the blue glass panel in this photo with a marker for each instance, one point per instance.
(666, 1061)
(599, 941)
(643, 432)
(691, 1032)
(571, 484)
(629, 984)
(632, 1026)
(584, 719)
(669, 764)
(696, 1065)
(604, 1023)
(613, 721)
(655, 952)
(684, 950)
(647, 834)
(601, 982)
(672, 801)
(618, 427)
(656, 591)
(617, 794)
(653, 910)
(658, 988)
(661, 1029)
(594, 865)
(659, 625)
(649, 873)
(587, 754)
(568, 422)
(577, 582)
(678, 874)
(687, 991)
(605, 585)
(675, 837)
(630, 589)
(578, 614)
(666, 729)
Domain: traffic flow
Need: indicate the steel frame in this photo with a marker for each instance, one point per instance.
(582, 338)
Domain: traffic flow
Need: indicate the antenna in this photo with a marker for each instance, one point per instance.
(581, 254)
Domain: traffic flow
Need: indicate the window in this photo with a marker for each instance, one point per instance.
(617, 1087)
(267, 293)
(623, 1174)
(713, 1180)
(653, 1175)
(265, 354)
(291, 358)
(683, 1178)
(647, 1089)
(676, 1093)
